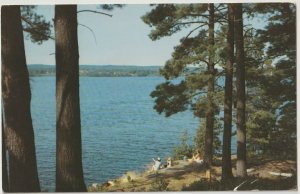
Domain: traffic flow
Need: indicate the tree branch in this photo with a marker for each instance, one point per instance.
(193, 31)
(36, 31)
(198, 15)
(92, 11)
(27, 21)
(33, 27)
(202, 91)
(89, 30)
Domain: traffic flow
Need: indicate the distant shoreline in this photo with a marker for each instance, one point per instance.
(44, 75)
(38, 70)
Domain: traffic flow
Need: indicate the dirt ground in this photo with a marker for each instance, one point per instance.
(183, 174)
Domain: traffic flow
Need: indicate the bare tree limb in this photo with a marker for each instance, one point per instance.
(27, 21)
(92, 11)
(89, 30)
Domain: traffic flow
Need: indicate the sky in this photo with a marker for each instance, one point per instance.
(120, 40)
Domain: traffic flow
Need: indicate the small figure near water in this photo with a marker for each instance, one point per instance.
(157, 164)
(196, 157)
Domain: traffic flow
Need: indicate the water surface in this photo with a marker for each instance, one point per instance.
(120, 129)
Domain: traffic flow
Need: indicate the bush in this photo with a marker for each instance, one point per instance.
(184, 149)
(200, 137)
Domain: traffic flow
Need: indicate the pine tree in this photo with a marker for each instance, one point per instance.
(273, 127)
(210, 113)
(69, 172)
(16, 96)
(194, 59)
(240, 91)
(226, 158)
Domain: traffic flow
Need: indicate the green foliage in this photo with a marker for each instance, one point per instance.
(189, 60)
(260, 126)
(272, 84)
(199, 139)
(191, 51)
(184, 149)
(110, 7)
(35, 25)
(170, 98)
(270, 60)
(171, 18)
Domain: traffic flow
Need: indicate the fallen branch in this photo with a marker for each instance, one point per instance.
(237, 187)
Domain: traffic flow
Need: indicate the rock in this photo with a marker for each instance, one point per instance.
(275, 173)
(250, 169)
(95, 185)
(286, 174)
(281, 174)
(111, 183)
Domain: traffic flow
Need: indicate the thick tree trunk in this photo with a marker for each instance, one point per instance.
(16, 96)
(226, 158)
(240, 89)
(4, 162)
(69, 172)
(210, 113)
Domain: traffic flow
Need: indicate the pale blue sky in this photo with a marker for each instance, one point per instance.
(121, 40)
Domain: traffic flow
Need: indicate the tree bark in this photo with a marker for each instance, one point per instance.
(210, 113)
(16, 96)
(226, 157)
(240, 87)
(4, 162)
(69, 172)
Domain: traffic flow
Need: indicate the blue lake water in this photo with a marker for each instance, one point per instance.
(120, 129)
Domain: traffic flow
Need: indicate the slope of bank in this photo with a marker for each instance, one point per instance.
(185, 176)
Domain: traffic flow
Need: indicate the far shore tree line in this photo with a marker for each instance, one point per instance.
(258, 96)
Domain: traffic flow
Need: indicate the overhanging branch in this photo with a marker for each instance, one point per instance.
(33, 28)
(89, 30)
(92, 11)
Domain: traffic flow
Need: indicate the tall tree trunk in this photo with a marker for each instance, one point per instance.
(240, 89)
(16, 96)
(69, 172)
(4, 162)
(226, 157)
(208, 155)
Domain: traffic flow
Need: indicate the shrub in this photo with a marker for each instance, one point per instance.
(184, 148)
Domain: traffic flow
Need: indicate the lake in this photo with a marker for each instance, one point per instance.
(120, 129)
